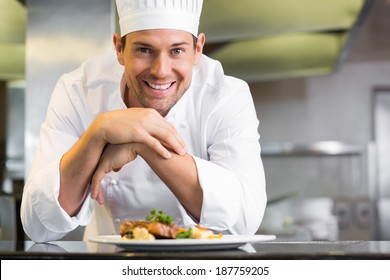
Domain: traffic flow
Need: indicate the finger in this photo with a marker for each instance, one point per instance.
(169, 138)
(180, 150)
(100, 197)
(95, 182)
(165, 133)
(172, 141)
(180, 145)
(156, 145)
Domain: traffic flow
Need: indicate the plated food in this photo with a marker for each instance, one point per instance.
(189, 244)
(159, 225)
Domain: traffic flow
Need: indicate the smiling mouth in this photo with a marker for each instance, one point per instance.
(159, 86)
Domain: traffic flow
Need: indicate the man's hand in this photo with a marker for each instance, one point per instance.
(141, 125)
(113, 158)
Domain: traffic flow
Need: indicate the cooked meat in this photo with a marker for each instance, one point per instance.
(159, 230)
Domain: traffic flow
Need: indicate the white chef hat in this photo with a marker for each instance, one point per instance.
(135, 15)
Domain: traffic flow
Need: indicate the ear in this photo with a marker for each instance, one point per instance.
(119, 48)
(199, 47)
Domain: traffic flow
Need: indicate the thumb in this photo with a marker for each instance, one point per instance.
(95, 182)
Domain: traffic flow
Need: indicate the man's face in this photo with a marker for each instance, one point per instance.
(158, 66)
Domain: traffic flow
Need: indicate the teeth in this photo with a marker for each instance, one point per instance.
(159, 87)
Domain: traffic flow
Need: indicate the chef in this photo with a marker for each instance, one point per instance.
(154, 124)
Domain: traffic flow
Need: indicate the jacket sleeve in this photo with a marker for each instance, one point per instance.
(42, 217)
(232, 177)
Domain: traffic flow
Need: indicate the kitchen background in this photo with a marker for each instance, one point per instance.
(320, 78)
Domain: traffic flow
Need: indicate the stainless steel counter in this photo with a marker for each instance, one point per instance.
(262, 250)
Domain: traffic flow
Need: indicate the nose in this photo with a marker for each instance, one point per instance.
(160, 66)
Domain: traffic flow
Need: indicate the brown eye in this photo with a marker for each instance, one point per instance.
(177, 51)
(143, 50)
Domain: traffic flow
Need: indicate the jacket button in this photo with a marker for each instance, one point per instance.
(114, 182)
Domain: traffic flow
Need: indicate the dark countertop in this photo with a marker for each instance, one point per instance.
(262, 250)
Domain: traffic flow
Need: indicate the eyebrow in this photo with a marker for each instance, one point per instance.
(144, 44)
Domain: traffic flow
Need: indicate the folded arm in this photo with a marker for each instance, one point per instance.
(126, 126)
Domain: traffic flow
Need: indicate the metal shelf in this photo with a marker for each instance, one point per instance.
(321, 148)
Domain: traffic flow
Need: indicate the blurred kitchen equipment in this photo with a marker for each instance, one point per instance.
(382, 140)
(7, 218)
(309, 218)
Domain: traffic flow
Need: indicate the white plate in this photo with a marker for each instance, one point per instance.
(226, 242)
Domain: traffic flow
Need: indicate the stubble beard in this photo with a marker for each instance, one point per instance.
(161, 105)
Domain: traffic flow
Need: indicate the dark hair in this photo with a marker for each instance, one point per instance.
(123, 40)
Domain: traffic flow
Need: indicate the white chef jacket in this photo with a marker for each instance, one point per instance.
(215, 117)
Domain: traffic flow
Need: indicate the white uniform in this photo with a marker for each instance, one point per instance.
(217, 120)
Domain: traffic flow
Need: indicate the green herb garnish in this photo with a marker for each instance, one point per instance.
(185, 234)
(159, 216)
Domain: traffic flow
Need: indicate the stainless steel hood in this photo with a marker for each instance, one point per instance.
(13, 18)
(255, 40)
(265, 40)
